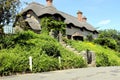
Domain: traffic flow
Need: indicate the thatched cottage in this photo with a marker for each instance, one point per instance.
(77, 27)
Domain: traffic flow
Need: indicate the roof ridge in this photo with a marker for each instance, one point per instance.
(50, 7)
(67, 14)
(36, 4)
(71, 16)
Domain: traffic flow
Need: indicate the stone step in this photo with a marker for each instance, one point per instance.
(69, 48)
(82, 53)
(76, 52)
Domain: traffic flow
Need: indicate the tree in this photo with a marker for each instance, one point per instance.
(8, 10)
(110, 33)
(109, 38)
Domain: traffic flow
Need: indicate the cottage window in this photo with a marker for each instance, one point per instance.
(69, 36)
(56, 18)
(94, 32)
(28, 15)
(68, 26)
(81, 29)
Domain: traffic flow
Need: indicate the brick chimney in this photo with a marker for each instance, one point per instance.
(79, 13)
(84, 19)
(49, 2)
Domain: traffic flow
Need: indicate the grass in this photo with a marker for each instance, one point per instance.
(104, 55)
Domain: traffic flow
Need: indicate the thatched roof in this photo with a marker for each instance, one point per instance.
(40, 10)
(34, 24)
(35, 7)
(73, 20)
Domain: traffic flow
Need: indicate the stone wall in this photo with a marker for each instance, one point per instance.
(90, 58)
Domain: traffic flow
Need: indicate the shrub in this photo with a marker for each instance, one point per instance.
(5, 64)
(89, 37)
(25, 35)
(111, 43)
(11, 62)
(7, 41)
(73, 62)
(102, 60)
(22, 37)
(44, 63)
(111, 57)
(51, 49)
(44, 51)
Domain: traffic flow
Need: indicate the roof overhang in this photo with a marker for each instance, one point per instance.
(77, 34)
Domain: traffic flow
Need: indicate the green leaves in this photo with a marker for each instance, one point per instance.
(108, 42)
(109, 37)
(104, 55)
(44, 51)
(9, 41)
(49, 23)
(8, 10)
(51, 49)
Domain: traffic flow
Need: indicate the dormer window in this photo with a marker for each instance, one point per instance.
(56, 18)
(94, 32)
(28, 15)
(81, 29)
(69, 26)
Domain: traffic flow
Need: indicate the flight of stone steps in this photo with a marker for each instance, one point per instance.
(82, 53)
(68, 47)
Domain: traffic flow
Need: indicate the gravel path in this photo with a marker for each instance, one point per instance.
(101, 73)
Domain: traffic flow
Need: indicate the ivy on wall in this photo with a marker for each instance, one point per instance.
(49, 23)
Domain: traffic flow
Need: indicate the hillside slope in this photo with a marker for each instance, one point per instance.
(104, 55)
(44, 50)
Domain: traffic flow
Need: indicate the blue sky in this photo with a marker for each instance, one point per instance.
(102, 14)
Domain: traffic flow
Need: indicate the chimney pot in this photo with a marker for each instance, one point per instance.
(49, 2)
(79, 13)
(84, 19)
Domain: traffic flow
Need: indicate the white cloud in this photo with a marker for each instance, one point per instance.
(104, 22)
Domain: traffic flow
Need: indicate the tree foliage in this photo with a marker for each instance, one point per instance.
(109, 38)
(108, 42)
(89, 37)
(8, 10)
(110, 33)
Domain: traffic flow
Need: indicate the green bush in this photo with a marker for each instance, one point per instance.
(7, 41)
(73, 62)
(111, 43)
(103, 60)
(44, 51)
(89, 37)
(44, 63)
(5, 64)
(51, 49)
(106, 60)
(22, 37)
(111, 57)
(10, 63)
